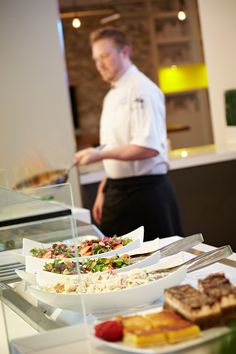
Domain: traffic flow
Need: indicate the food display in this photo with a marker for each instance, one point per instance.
(215, 280)
(186, 314)
(213, 304)
(88, 265)
(85, 248)
(57, 250)
(155, 329)
(127, 298)
(106, 244)
(43, 179)
(193, 305)
(103, 291)
(219, 288)
(106, 282)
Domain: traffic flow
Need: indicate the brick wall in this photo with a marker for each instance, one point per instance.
(90, 89)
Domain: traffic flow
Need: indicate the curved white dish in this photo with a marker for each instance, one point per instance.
(146, 247)
(147, 261)
(33, 263)
(36, 266)
(47, 278)
(111, 300)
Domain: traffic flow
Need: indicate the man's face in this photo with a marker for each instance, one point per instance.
(109, 59)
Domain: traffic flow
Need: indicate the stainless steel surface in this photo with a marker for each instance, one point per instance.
(34, 316)
(7, 272)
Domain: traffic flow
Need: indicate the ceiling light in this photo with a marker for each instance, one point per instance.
(181, 13)
(76, 22)
(184, 153)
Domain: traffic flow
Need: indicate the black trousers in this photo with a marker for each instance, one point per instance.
(147, 201)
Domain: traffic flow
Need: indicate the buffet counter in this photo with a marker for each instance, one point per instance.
(76, 337)
(204, 181)
(179, 159)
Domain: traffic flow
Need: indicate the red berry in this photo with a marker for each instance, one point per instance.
(111, 331)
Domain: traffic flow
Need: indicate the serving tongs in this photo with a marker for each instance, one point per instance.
(67, 171)
(201, 261)
(173, 248)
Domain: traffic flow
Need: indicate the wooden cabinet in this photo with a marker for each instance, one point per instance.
(177, 45)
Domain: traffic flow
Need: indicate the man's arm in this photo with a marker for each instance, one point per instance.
(124, 153)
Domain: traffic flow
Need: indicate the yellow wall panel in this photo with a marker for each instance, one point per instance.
(183, 78)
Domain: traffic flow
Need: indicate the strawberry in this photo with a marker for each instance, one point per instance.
(111, 331)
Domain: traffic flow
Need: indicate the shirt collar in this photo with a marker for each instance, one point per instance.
(129, 72)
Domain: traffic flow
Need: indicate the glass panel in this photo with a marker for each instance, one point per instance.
(38, 227)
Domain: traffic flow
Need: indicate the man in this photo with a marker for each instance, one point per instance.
(137, 190)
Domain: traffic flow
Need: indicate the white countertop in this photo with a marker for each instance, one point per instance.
(178, 159)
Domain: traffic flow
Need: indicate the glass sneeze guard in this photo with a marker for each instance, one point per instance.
(35, 218)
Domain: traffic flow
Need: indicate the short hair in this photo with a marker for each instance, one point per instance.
(118, 36)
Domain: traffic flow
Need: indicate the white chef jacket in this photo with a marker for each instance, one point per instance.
(134, 113)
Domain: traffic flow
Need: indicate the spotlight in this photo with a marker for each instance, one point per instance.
(76, 22)
(181, 13)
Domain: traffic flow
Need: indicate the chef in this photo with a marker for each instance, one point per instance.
(137, 190)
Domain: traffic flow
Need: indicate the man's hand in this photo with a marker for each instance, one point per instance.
(87, 156)
(98, 204)
(97, 208)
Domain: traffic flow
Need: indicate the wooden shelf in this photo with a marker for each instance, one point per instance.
(174, 128)
(183, 93)
(179, 63)
(174, 40)
(179, 43)
(166, 14)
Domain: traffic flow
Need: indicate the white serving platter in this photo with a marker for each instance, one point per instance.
(111, 300)
(205, 336)
(146, 247)
(43, 277)
(33, 264)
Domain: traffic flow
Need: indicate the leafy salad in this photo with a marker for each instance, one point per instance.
(88, 265)
(85, 248)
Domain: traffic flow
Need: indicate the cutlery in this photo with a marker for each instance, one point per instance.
(201, 261)
(173, 248)
(181, 245)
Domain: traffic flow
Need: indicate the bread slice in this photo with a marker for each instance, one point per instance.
(193, 305)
